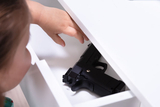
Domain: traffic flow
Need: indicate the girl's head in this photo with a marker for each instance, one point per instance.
(14, 35)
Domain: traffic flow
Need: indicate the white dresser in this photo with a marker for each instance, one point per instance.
(127, 35)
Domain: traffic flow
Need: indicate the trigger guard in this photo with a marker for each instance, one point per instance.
(82, 84)
(104, 65)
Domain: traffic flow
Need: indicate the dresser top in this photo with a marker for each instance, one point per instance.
(127, 33)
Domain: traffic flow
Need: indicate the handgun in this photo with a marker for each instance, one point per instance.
(89, 73)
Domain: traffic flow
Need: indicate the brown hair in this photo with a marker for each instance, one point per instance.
(1, 100)
(14, 17)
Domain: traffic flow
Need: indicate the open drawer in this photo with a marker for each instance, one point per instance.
(44, 89)
(43, 86)
(85, 98)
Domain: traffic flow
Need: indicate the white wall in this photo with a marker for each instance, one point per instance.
(50, 3)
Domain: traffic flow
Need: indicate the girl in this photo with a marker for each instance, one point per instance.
(15, 19)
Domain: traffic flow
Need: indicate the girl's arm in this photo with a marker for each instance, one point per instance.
(55, 21)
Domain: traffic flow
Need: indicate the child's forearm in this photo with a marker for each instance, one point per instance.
(35, 9)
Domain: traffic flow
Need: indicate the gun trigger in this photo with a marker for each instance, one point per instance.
(82, 84)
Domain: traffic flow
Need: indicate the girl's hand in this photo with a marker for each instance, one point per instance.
(55, 21)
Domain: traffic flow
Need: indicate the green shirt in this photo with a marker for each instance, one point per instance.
(8, 102)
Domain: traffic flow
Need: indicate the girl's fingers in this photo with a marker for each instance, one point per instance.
(58, 39)
(74, 33)
(74, 25)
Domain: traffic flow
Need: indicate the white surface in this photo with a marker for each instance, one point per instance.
(127, 34)
(34, 86)
(50, 80)
(50, 3)
(34, 57)
(36, 91)
(123, 99)
(53, 84)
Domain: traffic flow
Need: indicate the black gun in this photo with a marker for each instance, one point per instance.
(88, 73)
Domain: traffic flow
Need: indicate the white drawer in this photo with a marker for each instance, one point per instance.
(43, 87)
(46, 89)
